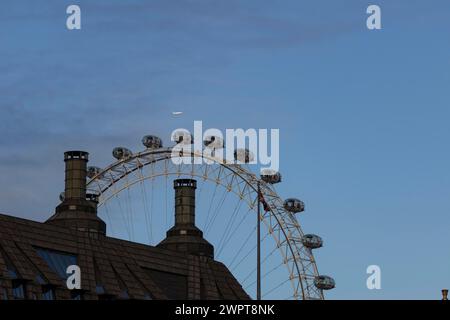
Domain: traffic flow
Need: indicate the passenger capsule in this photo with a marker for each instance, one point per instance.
(270, 176)
(243, 155)
(152, 142)
(312, 241)
(294, 205)
(93, 171)
(183, 137)
(62, 196)
(213, 142)
(324, 282)
(121, 153)
(94, 197)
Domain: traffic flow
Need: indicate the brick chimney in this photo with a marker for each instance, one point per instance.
(76, 211)
(184, 235)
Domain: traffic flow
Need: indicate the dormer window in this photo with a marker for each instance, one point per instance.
(48, 292)
(19, 289)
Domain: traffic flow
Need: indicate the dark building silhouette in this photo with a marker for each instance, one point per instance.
(34, 256)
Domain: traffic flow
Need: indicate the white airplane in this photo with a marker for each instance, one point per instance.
(177, 113)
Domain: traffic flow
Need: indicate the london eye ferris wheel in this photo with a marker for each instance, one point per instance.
(134, 197)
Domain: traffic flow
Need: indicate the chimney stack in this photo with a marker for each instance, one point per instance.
(76, 211)
(185, 202)
(76, 170)
(444, 294)
(184, 235)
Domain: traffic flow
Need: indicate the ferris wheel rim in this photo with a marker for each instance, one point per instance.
(249, 178)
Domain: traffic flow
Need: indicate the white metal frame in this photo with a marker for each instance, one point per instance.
(281, 224)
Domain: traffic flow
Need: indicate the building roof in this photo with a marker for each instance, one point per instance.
(34, 256)
(37, 254)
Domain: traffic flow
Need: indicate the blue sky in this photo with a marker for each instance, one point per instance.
(363, 115)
